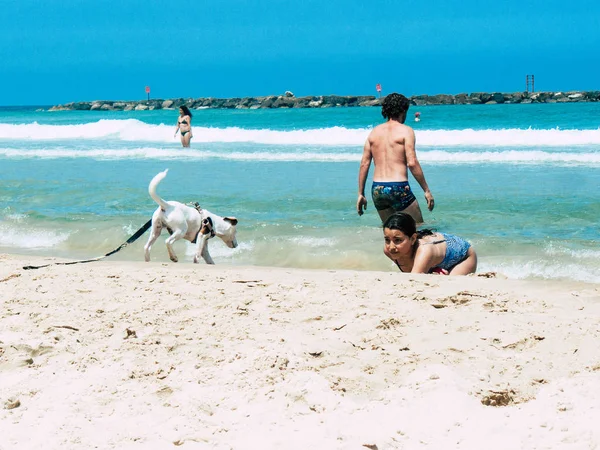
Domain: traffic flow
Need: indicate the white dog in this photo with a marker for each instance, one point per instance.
(197, 225)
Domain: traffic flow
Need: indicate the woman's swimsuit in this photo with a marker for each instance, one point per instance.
(395, 194)
(183, 133)
(457, 250)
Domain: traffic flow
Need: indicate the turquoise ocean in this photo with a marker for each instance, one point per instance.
(520, 182)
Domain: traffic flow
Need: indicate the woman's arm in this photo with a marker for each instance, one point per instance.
(423, 259)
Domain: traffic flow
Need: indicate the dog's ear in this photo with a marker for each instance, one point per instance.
(232, 220)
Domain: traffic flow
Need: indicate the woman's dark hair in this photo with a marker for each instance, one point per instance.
(186, 110)
(394, 105)
(405, 223)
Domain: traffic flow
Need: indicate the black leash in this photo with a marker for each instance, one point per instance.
(133, 238)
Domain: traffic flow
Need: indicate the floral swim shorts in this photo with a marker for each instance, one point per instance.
(395, 194)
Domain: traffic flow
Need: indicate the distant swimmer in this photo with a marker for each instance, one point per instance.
(417, 116)
(391, 146)
(184, 125)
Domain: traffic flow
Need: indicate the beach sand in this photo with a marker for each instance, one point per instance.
(133, 355)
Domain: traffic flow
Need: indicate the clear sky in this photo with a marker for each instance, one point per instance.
(56, 51)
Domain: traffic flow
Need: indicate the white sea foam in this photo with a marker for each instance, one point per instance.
(13, 217)
(312, 242)
(217, 249)
(135, 130)
(544, 269)
(429, 156)
(30, 239)
(510, 156)
(556, 250)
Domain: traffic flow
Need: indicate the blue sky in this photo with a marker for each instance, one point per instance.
(56, 51)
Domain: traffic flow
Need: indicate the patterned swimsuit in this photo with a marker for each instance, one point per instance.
(395, 194)
(456, 252)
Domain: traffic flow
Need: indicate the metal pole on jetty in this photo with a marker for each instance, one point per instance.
(529, 82)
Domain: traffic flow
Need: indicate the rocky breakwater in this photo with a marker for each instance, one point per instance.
(288, 100)
(486, 98)
(271, 101)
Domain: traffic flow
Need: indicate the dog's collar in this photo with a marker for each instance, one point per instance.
(207, 227)
(207, 224)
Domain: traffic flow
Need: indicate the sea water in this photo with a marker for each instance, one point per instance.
(520, 182)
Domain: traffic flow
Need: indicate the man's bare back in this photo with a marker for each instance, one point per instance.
(391, 146)
(388, 149)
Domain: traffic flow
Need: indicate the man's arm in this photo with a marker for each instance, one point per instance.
(415, 168)
(363, 172)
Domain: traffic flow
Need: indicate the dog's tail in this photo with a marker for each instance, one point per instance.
(152, 189)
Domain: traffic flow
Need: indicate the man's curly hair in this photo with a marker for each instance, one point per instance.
(394, 105)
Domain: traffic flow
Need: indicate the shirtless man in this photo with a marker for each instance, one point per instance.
(392, 147)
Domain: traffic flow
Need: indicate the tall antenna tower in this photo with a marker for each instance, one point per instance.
(529, 83)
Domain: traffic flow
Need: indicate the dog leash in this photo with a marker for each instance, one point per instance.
(132, 239)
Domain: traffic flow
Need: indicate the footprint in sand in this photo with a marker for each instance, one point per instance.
(460, 298)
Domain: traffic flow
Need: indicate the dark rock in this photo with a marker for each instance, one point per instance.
(461, 99)
(230, 103)
(420, 100)
(334, 100)
(81, 106)
(514, 97)
(200, 103)
(592, 96)
(303, 102)
(441, 99)
(284, 102)
(498, 97)
(485, 97)
(268, 102)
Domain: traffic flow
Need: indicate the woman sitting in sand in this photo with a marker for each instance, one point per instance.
(425, 251)
(184, 125)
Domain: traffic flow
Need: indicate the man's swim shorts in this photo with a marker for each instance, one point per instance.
(395, 194)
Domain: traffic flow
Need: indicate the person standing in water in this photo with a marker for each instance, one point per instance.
(391, 146)
(184, 125)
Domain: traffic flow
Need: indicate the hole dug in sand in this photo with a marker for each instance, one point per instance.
(504, 397)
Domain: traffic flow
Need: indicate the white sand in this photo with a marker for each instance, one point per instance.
(261, 358)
